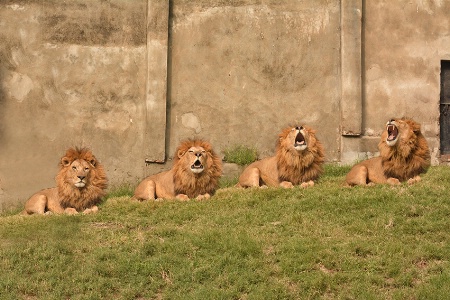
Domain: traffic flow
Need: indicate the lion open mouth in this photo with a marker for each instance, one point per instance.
(197, 166)
(300, 142)
(392, 132)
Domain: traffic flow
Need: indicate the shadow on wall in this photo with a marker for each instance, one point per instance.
(8, 44)
(6, 64)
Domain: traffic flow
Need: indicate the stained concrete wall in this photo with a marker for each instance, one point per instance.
(72, 73)
(131, 79)
(242, 70)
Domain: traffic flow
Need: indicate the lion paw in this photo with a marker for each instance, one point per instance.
(92, 210)
(415, 179)
(203, 197)
(393, 181)
(182, 197)
(71, 211)
(307, 184)
(286, 185)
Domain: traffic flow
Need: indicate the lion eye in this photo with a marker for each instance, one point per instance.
(86, 169)
(191, 151)
(74, 168)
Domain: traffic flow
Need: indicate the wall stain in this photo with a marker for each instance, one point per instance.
(101, 22)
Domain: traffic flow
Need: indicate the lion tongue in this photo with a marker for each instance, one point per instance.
(299, 139)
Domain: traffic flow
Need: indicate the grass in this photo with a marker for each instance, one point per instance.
(324, 242)
(241, 155)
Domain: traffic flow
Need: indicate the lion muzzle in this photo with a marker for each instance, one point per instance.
(197, 166)
(81, 183)
(392, 131)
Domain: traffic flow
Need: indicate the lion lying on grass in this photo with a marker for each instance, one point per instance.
(81, 183)
(404, 154)
(195, 174)
(298, 161)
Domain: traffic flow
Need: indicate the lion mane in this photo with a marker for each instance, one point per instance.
(298, 160)
(81, 184)
(204, 183)
(195, 174)
(97, 182)
(404, 154)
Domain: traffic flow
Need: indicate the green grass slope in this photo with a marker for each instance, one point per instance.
(324, 242)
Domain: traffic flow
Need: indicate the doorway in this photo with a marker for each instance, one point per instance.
(445, 108)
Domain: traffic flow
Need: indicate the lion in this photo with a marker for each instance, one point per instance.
(195, 174)
(404, 154)
(81, 184)
(298, 161)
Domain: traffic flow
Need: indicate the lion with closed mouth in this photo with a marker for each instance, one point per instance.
(81, 184)
(298, 161)
(195, 174)
(404, 154)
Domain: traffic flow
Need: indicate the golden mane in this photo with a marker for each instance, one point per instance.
(191, 184)
(410, 158)
(92, 193)
(299, 168)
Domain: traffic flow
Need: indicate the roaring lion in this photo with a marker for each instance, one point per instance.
(81, 183)
(298, 161)
(195, 174)
(404, 154)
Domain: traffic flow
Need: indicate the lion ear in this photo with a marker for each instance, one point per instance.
(93, 162)
(65, 161)
(180, 153)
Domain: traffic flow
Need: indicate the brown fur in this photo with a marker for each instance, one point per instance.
(67, 197)
(404, 161)
(180, 182)
(289, 166)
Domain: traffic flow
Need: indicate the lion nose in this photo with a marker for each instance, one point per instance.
(81, 177)
(198, 154)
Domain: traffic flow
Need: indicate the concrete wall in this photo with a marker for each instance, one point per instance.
(403, 45)
(131, 79)
(72, 73)
(240, 73)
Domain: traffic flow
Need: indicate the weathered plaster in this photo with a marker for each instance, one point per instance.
(248, 70)
(404, 44)
(67, 80)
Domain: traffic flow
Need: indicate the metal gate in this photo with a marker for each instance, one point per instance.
(445, 107)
